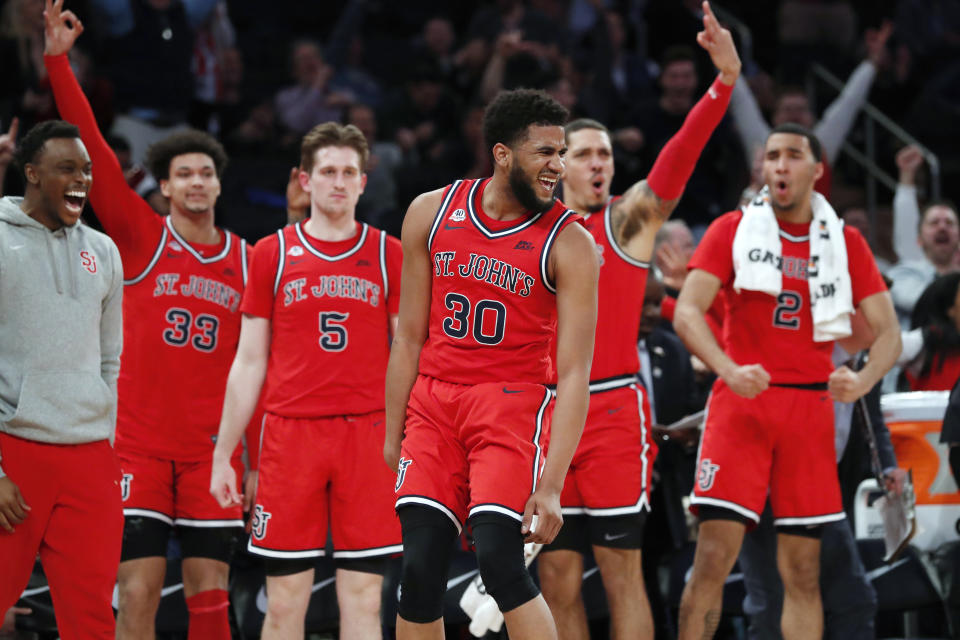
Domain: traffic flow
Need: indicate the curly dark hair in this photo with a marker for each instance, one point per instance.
(511, 113)
(940, 336)
(161, 154)
(32, 141)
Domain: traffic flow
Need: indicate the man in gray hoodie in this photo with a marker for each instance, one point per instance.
(60, 338)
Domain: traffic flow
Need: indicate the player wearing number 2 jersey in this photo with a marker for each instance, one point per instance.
(318, 314)
(769, 426)
(492, 268)
(184, 278)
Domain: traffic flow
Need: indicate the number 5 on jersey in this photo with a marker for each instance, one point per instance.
(333, 335)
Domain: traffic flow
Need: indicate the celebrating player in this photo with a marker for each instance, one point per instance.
(492, 268)
(792, 274)
(184, 278)
(606, 492)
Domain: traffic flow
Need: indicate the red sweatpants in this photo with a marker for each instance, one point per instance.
(75, 522)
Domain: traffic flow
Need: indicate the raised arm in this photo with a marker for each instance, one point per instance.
(648, 203)
(413, 321)
(576, 271)
(906, 210)
(129, 220)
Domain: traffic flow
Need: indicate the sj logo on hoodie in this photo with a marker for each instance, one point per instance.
(88, 261)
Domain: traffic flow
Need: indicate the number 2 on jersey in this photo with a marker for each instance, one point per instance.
(788, 305)
(458, 325)
(178, 334)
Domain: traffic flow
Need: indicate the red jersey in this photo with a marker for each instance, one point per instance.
(181, 330)
(493, 308)
(329, 304)
(778, 332)
(619, 302)
(180, 306)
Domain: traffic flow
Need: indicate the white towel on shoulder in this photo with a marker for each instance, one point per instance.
(757, 258)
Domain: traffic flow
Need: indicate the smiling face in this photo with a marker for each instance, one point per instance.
(59, 178)
(589, 171)
(335, 182)
(193, 186)
(535, 166)
(790, 170)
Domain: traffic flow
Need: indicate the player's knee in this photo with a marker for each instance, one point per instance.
(427, 544)
(359, 597)
(137, 595)
(713, 560)
(560, 577)
(499, 546)
(282, 605)
(800, 573)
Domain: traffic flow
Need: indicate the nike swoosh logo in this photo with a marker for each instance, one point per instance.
(505, 390)
(452, 582)
(446, 226)
(609, 537)
(613, 411)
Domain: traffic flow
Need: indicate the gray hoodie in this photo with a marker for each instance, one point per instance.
(60, 330)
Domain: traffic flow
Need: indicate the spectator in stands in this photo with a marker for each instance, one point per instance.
(23, 92)
(793, 105)
(8, 143)
(933, 363)
(378, 204)
(926, 242)
(310, 99)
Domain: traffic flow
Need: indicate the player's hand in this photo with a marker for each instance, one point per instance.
(673, 265)
(909, 160)
(894, 481)
(8, 621)
(845, 385)
(298, 200)
(223, 484)
(62, 28)
(748, 380)
(718, 42)
(13, 508)
(876, 42)
(391, 454)
(545, 504)
(8, 143)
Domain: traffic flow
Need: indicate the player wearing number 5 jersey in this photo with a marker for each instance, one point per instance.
(184, 279)
(318, 314)
(492, 270)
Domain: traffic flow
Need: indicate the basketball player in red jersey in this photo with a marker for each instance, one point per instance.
(317, 318)
(492, 268)
(184, 278)
(770, 417)
(606, 492)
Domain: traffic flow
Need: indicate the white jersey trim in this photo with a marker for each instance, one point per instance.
(547, 395)
(809, 520)
(153, 260)
(340, 256)
(572, 511)
(207, 524)
(147, 513)
(482, 227)
(383, 267)
(282, 246)
(243, 260)
(272, 553)
(726, 504)
(228, 241)
(547, 245)
(441, 212)
(429, 502)
(369, 553)
(609, 384)
(496, 508)
(612, 241)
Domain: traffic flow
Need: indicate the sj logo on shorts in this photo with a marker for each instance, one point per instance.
(707, 474)
(259, 525)
(401, 472)
(125, 486)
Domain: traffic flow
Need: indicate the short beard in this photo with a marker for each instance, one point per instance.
(524, 193)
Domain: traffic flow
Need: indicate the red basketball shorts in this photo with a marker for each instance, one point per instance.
(779, 442)
(470, 449)
(611, 469)
(320, 472)
(174, 492)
